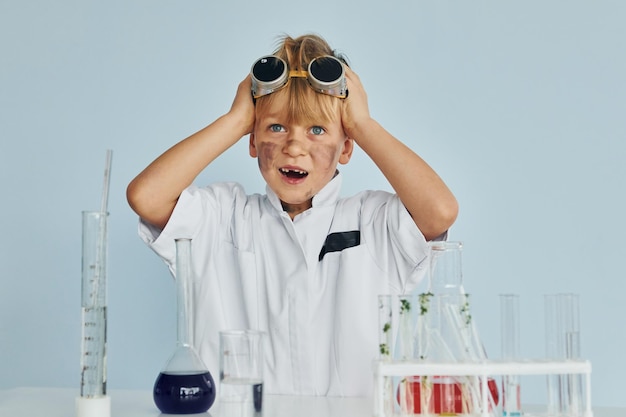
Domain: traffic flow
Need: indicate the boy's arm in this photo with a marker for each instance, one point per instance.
(431, 204)
(154, 192)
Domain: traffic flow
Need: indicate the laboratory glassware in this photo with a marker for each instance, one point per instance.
(385, 327)
(445, 272)
(241, 373)
(93, 400)
(386, 332)
(562, 329)
(510, 345)
(447, 333)
(574, 396)
(184, 385)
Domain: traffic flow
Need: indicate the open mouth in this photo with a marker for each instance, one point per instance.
(293, 173)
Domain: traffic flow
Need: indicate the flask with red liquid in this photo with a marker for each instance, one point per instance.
(446, 333)
(443, 396)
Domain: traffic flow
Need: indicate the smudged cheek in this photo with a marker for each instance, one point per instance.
(326, 157)
(266, 153)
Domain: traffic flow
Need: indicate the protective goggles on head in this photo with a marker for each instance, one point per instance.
(325, 75)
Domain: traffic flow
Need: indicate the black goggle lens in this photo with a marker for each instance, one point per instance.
(326, 69)
(268, 69)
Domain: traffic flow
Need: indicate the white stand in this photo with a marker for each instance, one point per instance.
(481, 370)
(93, 407)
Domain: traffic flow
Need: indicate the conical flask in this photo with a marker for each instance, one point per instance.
(447, 333)
(185, 385)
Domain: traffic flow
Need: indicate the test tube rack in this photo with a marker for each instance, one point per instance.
(481, 370)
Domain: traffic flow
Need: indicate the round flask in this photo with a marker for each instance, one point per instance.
(185, 385)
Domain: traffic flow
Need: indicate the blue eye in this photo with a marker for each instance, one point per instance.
(317, 130)
(277, 128)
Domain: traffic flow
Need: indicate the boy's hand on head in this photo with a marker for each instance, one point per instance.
(426, 197)
(243, 106)
(355, 111)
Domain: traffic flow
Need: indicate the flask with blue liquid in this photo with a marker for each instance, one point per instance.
(184, 385)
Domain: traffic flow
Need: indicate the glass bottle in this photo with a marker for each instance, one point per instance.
(185, 385)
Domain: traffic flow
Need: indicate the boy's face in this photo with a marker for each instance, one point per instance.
(297, 159)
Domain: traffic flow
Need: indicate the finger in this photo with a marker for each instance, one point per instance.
(246, 82)
(351, 75)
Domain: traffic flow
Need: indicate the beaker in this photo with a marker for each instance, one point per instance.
(241, 373)
(185, 385)
(445, 272)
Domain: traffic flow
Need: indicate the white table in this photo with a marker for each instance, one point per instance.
(59, 402)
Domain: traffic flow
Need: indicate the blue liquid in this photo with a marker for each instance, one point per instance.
(257, 395)
(184, 394)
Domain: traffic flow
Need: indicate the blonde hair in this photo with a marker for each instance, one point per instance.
(304, 104)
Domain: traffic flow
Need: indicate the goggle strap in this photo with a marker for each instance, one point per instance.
(298, 74)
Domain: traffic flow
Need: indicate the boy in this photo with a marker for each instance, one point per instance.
(298, 263)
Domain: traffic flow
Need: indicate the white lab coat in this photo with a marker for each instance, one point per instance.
(260, 270)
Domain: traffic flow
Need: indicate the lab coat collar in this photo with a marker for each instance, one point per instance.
(326, 197)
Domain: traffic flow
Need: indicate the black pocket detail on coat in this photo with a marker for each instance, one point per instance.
(338, 241)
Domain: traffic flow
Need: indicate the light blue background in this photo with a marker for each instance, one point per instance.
(519, 105)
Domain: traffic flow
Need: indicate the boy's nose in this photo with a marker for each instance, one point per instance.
(295, 145)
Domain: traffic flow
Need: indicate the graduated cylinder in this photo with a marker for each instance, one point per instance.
(93, 304)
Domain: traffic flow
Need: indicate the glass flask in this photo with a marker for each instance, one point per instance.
(445, 332)
(185, 385)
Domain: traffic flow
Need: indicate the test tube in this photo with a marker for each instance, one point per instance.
(406, 326)
(563, 343)
(571, 327)
(385, 327)
(553, 351)
(450, 341)
(386, 330)
(510, 345)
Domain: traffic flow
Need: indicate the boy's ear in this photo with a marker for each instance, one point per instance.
(346, 154)
(252, 147)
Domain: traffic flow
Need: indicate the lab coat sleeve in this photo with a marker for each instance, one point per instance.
(198, 215)
(395, 242)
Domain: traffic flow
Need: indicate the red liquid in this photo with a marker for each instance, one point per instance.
(184, 394)
(445, 398)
